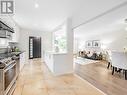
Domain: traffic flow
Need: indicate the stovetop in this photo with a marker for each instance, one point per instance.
(5, 59)
(5, 55)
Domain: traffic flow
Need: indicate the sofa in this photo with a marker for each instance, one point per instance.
(91, 55)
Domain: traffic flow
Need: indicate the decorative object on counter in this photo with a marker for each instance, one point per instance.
(56, 49)
(15, 49)
(14, 46)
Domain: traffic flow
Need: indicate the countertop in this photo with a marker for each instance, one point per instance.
(17, 53)
(52, 52)
(6, 55)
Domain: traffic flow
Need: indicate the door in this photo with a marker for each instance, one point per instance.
(34, 47)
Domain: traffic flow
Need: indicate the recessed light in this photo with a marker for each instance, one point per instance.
(36, 5)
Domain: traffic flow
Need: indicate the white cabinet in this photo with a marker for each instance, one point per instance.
(15, 35)
(22, 60)
(58, 63)
(49, 61)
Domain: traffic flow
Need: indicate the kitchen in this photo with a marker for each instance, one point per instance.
(12, 59)
(15, 52)
(13, 55)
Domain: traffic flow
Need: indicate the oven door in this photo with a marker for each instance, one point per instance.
(9, 77)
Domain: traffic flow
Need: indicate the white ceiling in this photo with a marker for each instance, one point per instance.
(111, 24)
(51, 13)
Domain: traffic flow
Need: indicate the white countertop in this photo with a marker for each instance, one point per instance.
(52, 52)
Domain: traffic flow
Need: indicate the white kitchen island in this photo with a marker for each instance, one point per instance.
(61, 62)
(58, 63)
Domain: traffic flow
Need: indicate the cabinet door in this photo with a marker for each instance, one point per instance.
(22, 60)
(9, 35)
(2, 34)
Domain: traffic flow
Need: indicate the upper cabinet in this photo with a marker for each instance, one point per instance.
(4, 26)
(15, 36)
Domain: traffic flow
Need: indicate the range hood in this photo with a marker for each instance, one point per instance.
(5, 31)
(4, 26)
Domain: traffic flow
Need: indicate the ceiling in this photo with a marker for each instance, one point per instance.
(52, 13)
(107, 26)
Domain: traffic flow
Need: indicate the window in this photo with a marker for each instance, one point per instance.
(60, 40)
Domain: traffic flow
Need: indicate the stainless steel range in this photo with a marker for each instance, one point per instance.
(8, 75)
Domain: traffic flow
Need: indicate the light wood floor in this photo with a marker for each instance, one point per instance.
(35, 79)
(99, 76)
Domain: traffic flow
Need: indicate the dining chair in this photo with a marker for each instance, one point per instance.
(108, 59)
(119, 61)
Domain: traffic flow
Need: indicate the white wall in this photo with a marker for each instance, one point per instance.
(24, 40)
(75, 45)
(114, 40)
(70, 37)
(109, 28)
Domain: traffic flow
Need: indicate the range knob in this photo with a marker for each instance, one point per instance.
(2, 65)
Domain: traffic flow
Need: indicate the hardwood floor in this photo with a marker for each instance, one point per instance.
(101, 77)
(36, 79)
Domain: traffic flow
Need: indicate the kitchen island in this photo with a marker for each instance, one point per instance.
(58, 63)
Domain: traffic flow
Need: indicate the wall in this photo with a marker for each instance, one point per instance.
(114, 40)
(70, 37)
(75, 45)
(24, 40)
(109, 28)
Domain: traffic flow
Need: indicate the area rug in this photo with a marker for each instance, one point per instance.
(84, 61)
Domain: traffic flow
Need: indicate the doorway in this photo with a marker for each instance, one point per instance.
(34, 47)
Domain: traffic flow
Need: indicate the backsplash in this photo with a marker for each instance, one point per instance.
(3, 50)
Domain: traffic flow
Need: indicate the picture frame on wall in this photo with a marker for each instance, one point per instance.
(96, 43)
(89, 44)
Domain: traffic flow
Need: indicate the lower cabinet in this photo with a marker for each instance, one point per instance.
(58, 63)
(22, 60)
